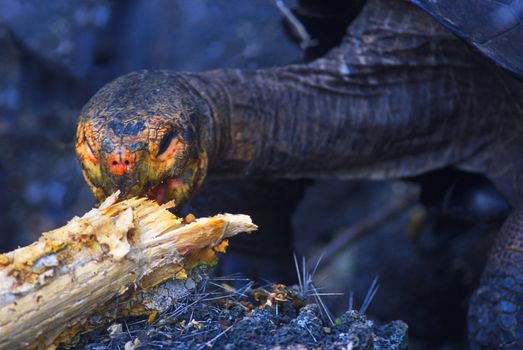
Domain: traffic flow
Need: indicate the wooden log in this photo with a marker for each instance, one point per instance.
(49, 288)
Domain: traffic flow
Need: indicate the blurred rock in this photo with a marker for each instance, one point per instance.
(428, 264)
(59, 31)
(39, 101)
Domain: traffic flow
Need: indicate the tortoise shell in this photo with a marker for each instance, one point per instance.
(494, 27)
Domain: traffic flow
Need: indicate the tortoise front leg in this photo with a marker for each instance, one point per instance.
(496, 308)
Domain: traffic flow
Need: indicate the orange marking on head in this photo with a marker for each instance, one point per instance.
(120, 162)
(117, 169)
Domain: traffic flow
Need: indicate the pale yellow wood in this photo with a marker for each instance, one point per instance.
(63, 278)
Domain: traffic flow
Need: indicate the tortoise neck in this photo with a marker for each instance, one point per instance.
(284, 122)
(213, 133)
(371, 108)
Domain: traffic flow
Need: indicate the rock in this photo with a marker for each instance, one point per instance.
(241, 321)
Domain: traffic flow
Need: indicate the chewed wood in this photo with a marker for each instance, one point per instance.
(65, 276)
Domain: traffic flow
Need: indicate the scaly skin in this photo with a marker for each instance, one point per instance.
(496, 312)
(400, 96)
(119, 139)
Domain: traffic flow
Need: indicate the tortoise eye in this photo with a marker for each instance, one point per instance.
(88, 146)
(165, 142)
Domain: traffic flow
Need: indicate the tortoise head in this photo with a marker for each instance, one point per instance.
(140, 134)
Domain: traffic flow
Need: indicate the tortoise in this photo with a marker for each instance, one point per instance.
(414, 86)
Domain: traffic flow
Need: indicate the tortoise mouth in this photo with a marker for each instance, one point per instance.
(164, 191)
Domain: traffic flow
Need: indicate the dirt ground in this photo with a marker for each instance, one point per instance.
(218, 316)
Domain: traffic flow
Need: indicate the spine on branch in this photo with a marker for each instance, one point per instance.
(117, 251)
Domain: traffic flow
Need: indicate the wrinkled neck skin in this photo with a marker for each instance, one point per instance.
(400, 96)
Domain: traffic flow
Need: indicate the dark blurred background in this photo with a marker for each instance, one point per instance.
(55, 54)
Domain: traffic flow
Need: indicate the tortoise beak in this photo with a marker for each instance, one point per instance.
(125, 183)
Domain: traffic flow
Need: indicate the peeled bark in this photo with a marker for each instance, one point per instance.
(49, 289)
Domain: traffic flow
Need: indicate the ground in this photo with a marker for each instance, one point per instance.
(215, 315)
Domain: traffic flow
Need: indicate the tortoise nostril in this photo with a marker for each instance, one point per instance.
(120, 162)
